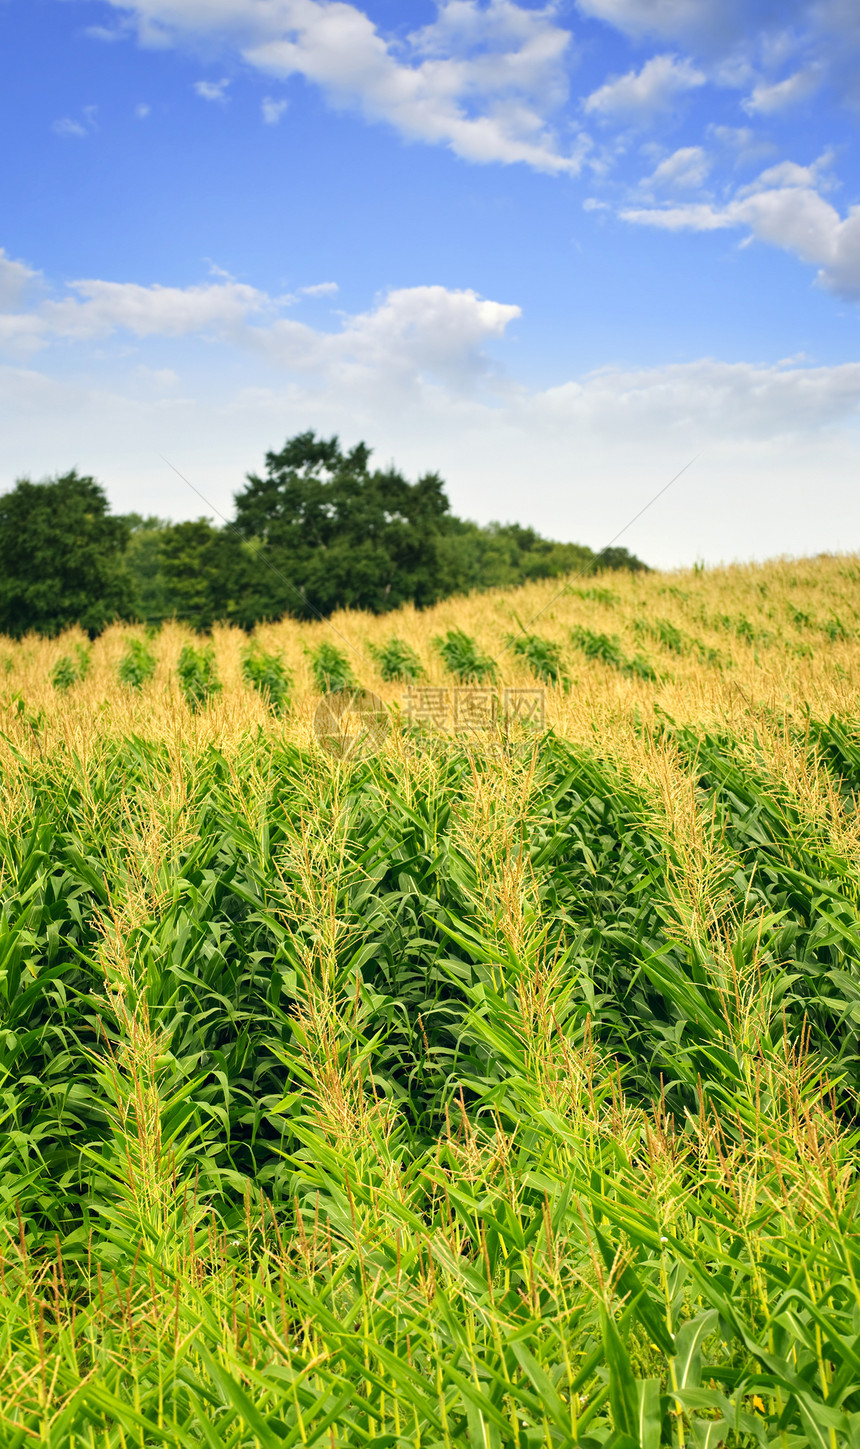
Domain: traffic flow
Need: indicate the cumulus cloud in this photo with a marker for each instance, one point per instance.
(104, 33)
(411, 332)
(762, 401)
(484, 80)
(273, 110)
(15, 280)
(766, 100)
(96, 309)
(99, 308)
(642, 95)
(414, 374)
(713, 25)
(607, 441)
(784, 208)
(686, 169)
(789, 174)
(212, 90)
(320, 289)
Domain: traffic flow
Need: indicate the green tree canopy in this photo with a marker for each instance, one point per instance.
(61, 557)
(332, 533)
(318, 531)
(202, 568)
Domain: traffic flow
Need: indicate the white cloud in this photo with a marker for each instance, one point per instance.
(104, 33)
(21, 333)
(761, 401)
(768, 99)
(747, 145)
(788, 173)
(691, 216)
(413, 334)
(784, 209)
(640, 95)
(15, 279)
(273, 110)
(99, 308)
(411, 331)
(414, 375)
(142, 111)
(716, 26)
(717, 22)
(212, 90)
(485, 79)
(778, 446)
(686, 169)
(320, 289)
(426, 329)
(96, 309)
(67, 127)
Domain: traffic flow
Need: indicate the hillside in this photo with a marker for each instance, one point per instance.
(495, 1088)
(778, 634)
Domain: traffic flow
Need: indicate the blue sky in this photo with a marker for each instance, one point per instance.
(553, 251)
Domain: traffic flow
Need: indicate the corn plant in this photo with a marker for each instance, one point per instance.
(65, 673)
(198, 676)
(476, 1095)
(598, 595)
(268, 674)
(71, 668)
(396, 660)
(137, 665)
(607, 649)
(331, 669)
(543, 656)
(464, 658)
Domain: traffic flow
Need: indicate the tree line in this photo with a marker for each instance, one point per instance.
(318, 530)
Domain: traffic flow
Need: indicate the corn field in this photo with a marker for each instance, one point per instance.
(496, 1089)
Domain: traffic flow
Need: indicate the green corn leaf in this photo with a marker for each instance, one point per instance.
(628, 1283)
(649, 1418)
(543, 1384)
(623, 1390)
(710, 1433)
(688, 1348)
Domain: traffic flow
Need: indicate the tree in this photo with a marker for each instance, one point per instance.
(331, 533)
(619, 558)
(192, 570)
(61, 558)
(201, 572)
(502, 555)
(143, 563)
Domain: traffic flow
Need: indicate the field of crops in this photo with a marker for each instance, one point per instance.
(493, 1089)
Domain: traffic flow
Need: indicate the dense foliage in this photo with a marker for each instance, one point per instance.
(496, 1090)
(318, 531)
(487, 1143)
(61, 558)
